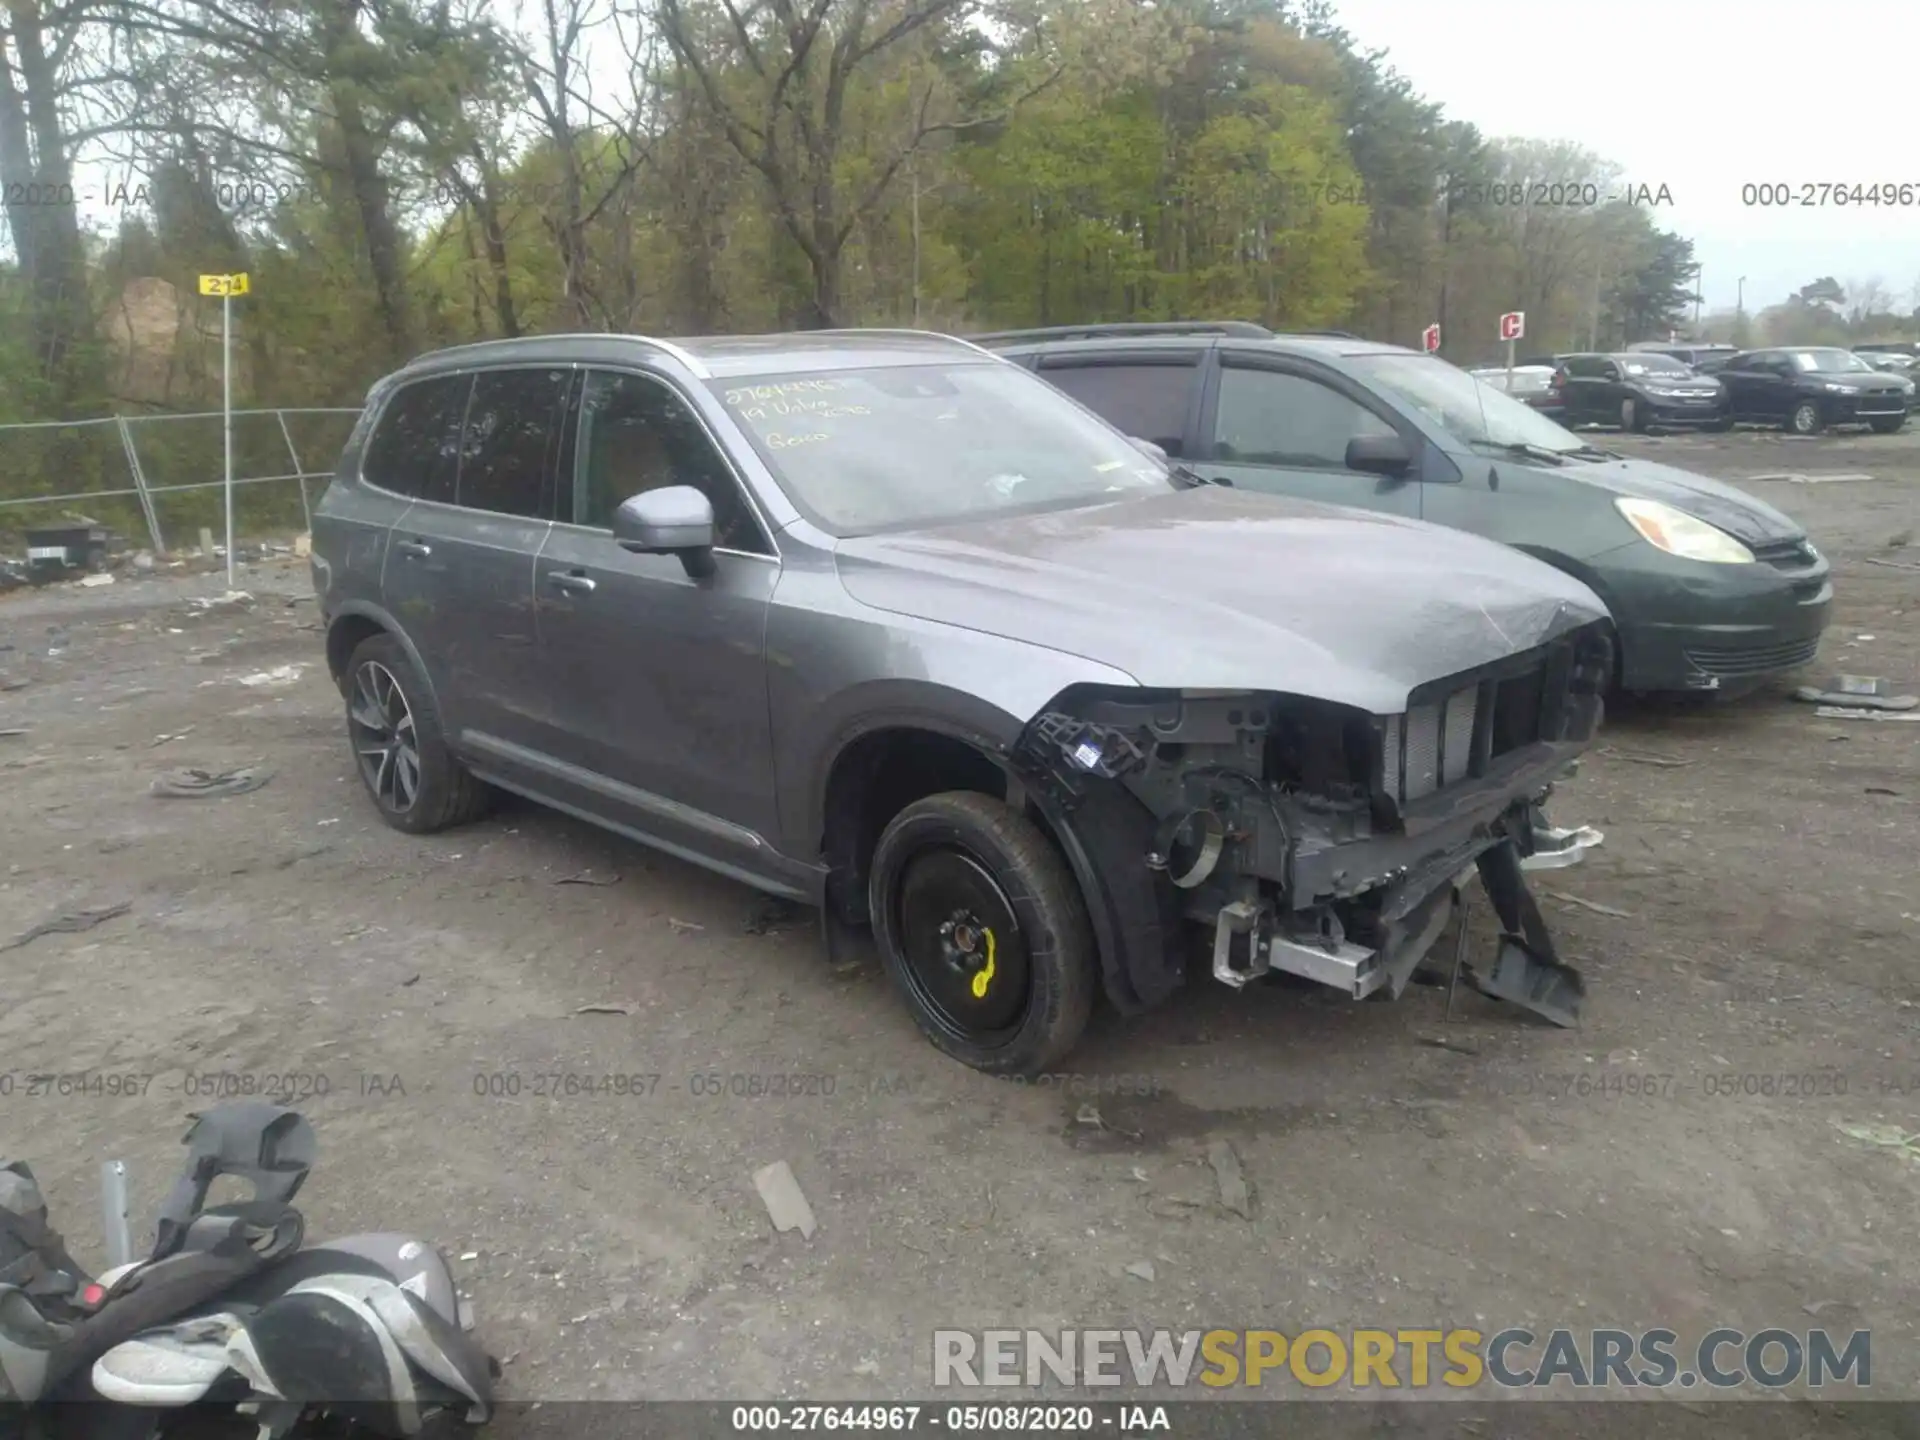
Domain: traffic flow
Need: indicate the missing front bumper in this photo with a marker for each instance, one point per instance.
(1525, 970)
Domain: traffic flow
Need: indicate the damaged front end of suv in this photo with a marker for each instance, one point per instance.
(1313, 838)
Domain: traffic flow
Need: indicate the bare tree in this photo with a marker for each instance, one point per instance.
(556, 86)
(777, 74)
(43, 84)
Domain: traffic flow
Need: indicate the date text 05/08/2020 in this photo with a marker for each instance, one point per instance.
(1004, 1419)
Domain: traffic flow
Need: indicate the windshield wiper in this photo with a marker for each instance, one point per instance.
(1192, 478)
(1530, 452)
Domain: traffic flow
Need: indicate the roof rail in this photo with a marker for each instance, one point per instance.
(665, 347)
(1245, 329)
(960, 340)
(1335, 334)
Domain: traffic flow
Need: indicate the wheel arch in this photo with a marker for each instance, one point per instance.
(356, 622)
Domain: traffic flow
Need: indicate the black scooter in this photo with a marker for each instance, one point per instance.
(229, 1309)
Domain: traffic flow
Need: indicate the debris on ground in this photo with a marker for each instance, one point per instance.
(605, 1007)
(1141, 1270)
(231, 600)
(786, 1206)
(1857, 692)
(1904, 1144)
(1593, 905)
(180, 734)
(10, 733)
(1644, 757)
(1235, 1194)
(92, 581)
(682, 927)
(586, 877)
(773, 916)
(302, 546)
(70, 922)
(1440, 1042)
(279, 675)
(203, 784)
(1892, 564)
(1849, 712)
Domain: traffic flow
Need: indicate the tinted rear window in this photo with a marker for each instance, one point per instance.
(416, 449)
(1148, 402)
(513, 426)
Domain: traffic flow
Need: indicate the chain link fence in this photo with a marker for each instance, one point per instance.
(165, 473)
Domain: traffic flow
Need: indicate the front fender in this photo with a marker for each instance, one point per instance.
(836, 677)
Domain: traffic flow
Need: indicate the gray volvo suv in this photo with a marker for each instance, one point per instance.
(880, 622)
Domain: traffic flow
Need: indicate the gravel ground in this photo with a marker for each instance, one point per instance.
(1750, 921)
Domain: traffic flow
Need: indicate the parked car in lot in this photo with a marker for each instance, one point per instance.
(1893, 362)
(1909, 348)
(1714, 591)
(1685, 351)
(878, 621)
(1806, 389)
(1539, 387)
(1639, 391)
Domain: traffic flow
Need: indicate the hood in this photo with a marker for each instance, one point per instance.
(1719, 504)
(1216, 589)
(1877, 380)
(1681, 380)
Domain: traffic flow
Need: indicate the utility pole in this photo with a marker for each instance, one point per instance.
(913, 174)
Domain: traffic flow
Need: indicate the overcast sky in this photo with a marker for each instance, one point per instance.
(1704, 96)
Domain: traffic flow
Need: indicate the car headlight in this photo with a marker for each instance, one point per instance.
(1679, 533)
(1833, 389)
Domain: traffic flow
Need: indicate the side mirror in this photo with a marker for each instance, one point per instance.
(676, 519)
(1386, 455)
(1147, 447)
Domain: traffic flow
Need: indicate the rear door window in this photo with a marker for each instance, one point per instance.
(1147, 401)
(415, 450)
(514, 423)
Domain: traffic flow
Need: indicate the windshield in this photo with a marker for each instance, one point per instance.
(903, 446)
(1467, 409)
(1655, 365)
(1829, 362)
(1525, 379)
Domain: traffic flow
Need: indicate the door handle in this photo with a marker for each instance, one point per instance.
(414, 549)
(572, 582)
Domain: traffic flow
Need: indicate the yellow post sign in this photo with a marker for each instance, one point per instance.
(226, 287)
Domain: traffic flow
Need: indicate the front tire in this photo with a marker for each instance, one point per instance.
(1804, 419)
(1887, 426)
(1718, 427)
(399, 746)
(984, 932)
(1630, 418)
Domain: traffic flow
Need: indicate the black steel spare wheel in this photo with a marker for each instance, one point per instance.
(384, 739)
(965, 956)
(984, 932)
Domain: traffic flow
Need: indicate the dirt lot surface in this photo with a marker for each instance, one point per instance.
(1747, 934)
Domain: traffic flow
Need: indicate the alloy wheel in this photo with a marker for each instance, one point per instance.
(385, 742)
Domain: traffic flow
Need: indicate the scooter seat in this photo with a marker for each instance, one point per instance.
(168, 1366)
